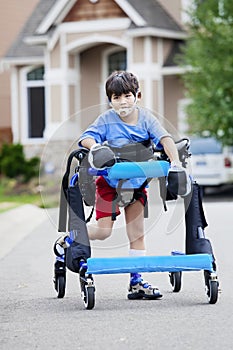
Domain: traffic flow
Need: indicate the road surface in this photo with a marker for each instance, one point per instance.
(33, 318)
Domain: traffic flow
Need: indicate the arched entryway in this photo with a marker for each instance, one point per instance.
(94, 64)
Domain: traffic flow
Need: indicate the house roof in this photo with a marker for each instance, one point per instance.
(154, 15)
(146, 14)
(20, 48)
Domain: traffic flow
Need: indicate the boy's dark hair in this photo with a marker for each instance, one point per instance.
(121, 82)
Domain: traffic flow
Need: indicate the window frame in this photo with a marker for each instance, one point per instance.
(24, 111)
(105, 69)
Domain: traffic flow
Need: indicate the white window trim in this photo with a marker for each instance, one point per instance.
(104, 70)
(15, 105)
(24, 84)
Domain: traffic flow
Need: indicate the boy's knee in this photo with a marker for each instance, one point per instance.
(99, 232)
(104, 233)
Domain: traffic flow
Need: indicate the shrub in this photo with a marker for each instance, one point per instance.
(13, 163)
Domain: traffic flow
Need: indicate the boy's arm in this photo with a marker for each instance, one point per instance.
(170, 150)
(88, 142)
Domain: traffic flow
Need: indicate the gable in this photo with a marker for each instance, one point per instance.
(85, 10)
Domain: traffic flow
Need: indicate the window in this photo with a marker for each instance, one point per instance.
(36, 107)
(36, 102)
(117, 61)
(36, 74)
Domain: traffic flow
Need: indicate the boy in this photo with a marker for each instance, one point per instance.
(125, 123)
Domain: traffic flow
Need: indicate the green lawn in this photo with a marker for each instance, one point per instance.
(13, 195)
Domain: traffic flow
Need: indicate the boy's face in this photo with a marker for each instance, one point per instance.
(123, 104)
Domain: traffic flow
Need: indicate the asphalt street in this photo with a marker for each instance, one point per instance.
(32, 317)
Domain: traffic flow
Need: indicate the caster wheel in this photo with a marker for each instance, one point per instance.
(212, 285)
(88, 296)
(60, 286)
(213, 292)
(87, 290)
(175, 280)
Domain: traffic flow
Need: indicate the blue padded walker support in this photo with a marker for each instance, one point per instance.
(169, 263)
(126, 170)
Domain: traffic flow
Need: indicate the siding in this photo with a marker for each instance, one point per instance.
(84, 10)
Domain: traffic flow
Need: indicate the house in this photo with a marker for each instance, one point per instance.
(12, 17)
(67, 48)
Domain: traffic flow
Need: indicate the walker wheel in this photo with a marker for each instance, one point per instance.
(211, 283)
(88, 296)
(60, 286)
(213, 292)
(87, 290)
(175, 280)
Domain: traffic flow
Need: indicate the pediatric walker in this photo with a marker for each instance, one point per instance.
(75, 254)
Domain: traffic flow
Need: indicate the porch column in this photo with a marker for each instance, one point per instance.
(60, 79)
(144, 63)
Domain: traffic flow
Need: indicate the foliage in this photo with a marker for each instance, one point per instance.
(13, 163)
(209, 81)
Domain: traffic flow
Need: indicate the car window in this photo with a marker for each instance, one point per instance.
(205, 146)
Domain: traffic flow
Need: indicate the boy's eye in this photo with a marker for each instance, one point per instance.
(116, 98)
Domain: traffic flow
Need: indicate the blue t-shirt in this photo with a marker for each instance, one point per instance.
(111, 128)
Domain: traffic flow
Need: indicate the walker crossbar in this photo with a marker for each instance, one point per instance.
(192, 262)
(126, 170)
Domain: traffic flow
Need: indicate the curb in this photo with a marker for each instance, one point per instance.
(17, 223)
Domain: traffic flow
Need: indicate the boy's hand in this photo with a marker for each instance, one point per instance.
(101, 157)
(178, 180)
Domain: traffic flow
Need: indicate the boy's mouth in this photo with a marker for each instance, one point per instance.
(125, 111)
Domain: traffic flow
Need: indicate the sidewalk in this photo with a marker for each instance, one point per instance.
(16, 224)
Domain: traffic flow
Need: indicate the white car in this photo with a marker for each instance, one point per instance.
(211, 163)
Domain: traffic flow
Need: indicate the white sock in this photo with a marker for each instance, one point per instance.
(137, 252)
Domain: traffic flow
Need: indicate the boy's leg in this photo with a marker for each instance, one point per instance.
(103, 207)
(138, 288)
(102, 229)
(134, 217)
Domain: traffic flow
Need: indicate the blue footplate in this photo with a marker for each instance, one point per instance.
(171, 263)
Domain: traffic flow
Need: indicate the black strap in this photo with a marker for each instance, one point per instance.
(163, 191)
(62, 225)
(63, 194)
(90, 216)
(138, 193)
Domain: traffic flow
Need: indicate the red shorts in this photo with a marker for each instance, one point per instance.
(105, 195)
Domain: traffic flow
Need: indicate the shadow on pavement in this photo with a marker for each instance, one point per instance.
(218, 194)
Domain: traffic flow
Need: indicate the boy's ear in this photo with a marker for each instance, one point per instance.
(109, 102)
(139, 95)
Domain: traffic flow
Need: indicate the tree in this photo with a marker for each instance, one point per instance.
(208, 53)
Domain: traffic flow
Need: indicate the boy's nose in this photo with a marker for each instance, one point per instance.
(123, 100)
